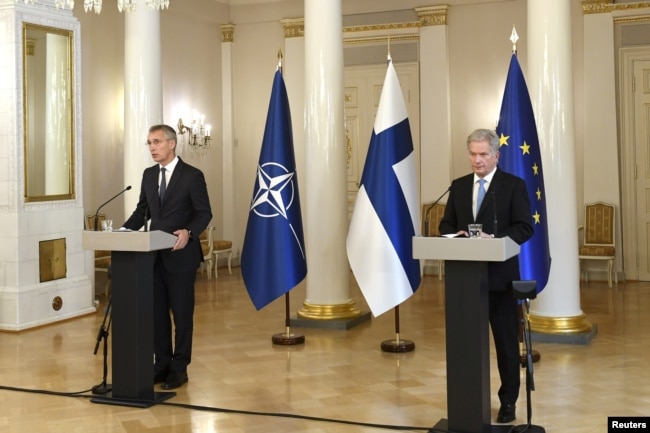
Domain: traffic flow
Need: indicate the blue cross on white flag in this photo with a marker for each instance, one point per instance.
(386, 213)
(273, 257)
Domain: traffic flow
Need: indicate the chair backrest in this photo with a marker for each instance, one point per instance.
(434, 215)
(599, 224)
(90, 221)
(206, 242)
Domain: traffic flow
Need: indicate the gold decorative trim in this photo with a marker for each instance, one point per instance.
(293, 27)
(635, 19)
(329, 312)
(433, 15)
(559, 325)
(227, 33)
(380, 39)
(606, 6)
(381, 27)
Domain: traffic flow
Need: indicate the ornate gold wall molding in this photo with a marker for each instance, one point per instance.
(433, 15)
(294, 27)
(227, 32)
(606, 6)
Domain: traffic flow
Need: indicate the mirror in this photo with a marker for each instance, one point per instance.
(48, 113)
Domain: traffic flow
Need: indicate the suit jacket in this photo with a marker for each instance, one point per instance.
(186, 206)
(506, 200)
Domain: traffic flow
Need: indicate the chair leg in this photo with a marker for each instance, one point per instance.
(440, 269)
(609, 274)
(229, 259)
(208, 265)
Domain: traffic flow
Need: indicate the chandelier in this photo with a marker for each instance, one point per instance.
(96, 5)
(125, 5)
(198, 134)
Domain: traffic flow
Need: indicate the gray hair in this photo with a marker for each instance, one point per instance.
(485, 135)
(170, 133)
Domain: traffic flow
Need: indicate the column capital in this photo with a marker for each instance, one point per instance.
(293, 27)
(433, 15)
(227, 32)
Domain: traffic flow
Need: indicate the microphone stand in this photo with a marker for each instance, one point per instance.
(530, 384)
(96, 217)
(103, 387)
(428, 209)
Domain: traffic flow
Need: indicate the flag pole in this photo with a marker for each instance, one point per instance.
(287, 339)
(397, 345)
(514, 37)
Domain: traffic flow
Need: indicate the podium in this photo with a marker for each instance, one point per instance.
(467, 326)
(132, 263)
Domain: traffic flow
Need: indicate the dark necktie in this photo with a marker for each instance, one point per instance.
(163, 185)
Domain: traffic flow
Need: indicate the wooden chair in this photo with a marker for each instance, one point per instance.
(431, 216)
(598, 237)
(222, 247)
(102, 258)
(207, 247)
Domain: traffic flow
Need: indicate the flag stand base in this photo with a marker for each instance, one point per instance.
(397, 346)
(286, 339)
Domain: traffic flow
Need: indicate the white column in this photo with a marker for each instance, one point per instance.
(557, 308)
(228, 132)
(142, 94)
(328, 275)
(293, 72)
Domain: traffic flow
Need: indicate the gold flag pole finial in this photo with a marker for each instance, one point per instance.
(514, 37)
(280, 59)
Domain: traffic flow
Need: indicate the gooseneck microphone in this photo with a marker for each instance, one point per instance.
(428, 208)
(96, 217)
(494, 205)
(146, 218)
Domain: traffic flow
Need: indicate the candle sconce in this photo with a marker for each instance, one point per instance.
(198, 134)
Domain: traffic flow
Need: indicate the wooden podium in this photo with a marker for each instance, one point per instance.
(467, 326)
(132, 262)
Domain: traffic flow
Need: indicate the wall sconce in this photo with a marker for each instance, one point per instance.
(198, 134)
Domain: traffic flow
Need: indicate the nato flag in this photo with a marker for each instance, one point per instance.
(273, 259)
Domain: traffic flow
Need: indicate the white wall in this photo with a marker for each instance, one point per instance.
(479, 54)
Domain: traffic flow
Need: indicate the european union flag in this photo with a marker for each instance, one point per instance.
(273, 259)
(386, 213)
(521, 156)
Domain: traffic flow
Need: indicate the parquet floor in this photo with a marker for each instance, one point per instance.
(241, 382)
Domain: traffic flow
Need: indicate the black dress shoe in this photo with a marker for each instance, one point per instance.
(175, 379)
(160, 376)
(506, 413)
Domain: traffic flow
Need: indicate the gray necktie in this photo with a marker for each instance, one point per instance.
(163, 185)
(481, 194)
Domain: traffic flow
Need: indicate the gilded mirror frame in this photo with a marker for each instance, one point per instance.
(49, 129)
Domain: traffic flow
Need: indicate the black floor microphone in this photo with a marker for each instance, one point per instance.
(428, 208)
(96, 217)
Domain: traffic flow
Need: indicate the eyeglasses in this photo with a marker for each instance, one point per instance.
(155, 142)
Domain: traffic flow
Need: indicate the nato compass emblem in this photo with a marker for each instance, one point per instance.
(274, 194)
(275, 191)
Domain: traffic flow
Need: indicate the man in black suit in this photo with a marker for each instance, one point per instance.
(174, 196)
(504, 211)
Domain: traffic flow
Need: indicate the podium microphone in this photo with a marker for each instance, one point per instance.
(96, 217)
(494, 204)
(428, 208)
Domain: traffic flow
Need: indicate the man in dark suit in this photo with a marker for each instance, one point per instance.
(504, 211)
(174, 196)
